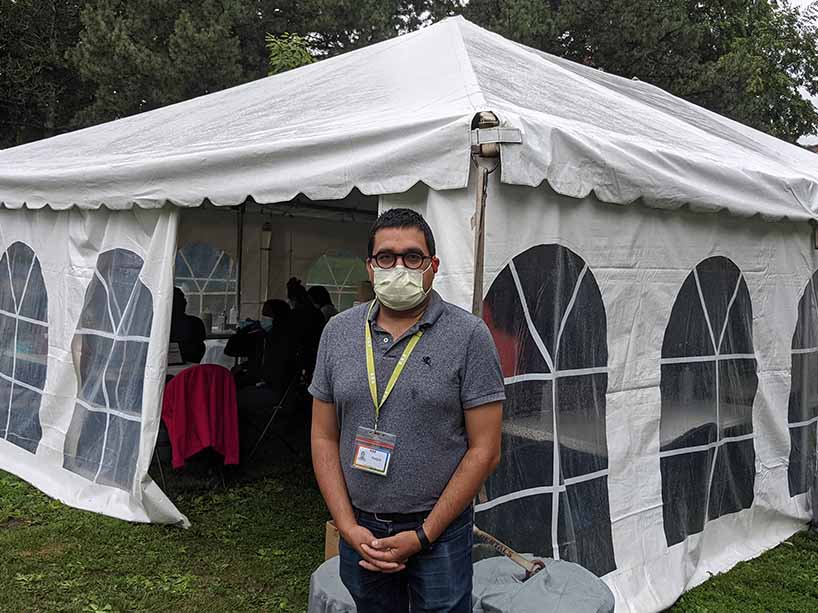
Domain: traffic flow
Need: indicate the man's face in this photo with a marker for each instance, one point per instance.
(404, 240)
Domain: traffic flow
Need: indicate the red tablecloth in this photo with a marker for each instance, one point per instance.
(199, 410)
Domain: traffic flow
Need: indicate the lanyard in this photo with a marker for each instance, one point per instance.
(370, 366)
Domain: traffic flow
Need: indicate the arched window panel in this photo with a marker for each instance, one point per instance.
(803, 402)
(208, 277)
(23, 346)
(549, 494)
(507, 320)
(708, 385)
(111, 347)
(341, 274)
(690, 336)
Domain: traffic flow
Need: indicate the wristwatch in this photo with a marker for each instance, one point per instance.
(424, 540)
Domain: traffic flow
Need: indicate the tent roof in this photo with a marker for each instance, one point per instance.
(390, 115)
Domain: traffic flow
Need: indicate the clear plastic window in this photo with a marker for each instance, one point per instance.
(341, 274)
(23, 346)
(549, 496)
(803, 405)
(708, 386)
(110, 351)
(208, 277)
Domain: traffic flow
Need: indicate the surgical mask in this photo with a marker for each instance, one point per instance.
(399, 288)
(267, 323)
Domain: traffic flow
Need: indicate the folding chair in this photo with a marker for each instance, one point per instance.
(278, 406)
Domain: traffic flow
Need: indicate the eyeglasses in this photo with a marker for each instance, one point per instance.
(411, 259)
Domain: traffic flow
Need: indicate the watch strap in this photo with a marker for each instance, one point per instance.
(424, 540)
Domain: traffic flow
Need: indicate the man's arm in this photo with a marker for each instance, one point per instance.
(483, 427)
(327, 465)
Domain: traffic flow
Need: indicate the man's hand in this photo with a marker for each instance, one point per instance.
(361, 539)
(395, 549)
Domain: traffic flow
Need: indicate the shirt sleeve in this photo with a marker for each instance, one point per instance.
(482, 380)
(321, 384)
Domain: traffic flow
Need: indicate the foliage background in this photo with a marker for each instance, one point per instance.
(66, 64)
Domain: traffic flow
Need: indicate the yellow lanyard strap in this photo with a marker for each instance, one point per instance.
(370, 366)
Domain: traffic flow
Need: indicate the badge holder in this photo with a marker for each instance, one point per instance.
(373, 451)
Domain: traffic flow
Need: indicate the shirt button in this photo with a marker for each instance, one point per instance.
(385, 339)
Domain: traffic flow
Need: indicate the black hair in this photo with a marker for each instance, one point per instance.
(277, 309)
(319, 294)
(179, 301)
(297, 292)
(401, 218)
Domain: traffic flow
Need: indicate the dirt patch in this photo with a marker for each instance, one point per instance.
(47, 551)
(12, 522)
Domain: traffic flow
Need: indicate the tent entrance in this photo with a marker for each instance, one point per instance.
(247, 254)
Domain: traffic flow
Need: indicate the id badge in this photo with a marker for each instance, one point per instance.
(373, 450)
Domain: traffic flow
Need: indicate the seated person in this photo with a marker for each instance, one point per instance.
(276, 365)
(320, 297)
(187, 330)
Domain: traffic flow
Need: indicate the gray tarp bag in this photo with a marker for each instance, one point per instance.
(498, 588)
(560, 586)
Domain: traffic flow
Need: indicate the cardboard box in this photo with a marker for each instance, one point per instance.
(331, 540)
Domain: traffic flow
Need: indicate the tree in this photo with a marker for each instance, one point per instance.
(142, 55)
(39, 89)
(287, 51)
(745, 59)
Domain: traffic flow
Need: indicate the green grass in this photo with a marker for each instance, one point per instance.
(783, 579)
(252, 547)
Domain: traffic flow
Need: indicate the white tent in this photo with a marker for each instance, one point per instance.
(660, 364)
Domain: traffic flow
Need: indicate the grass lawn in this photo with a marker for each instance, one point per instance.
(252, 547)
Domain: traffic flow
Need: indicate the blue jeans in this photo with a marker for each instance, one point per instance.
(437, 579)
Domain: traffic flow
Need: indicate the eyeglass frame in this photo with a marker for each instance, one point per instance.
(373, 260)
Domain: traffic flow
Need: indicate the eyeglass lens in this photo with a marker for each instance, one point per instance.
(412, 260)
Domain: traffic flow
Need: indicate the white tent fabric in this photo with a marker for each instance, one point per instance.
(397, 113)
(85, 302)
(630, 444)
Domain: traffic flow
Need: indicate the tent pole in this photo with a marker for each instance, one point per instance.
(240, 258)
(479, 240)
(479, 153)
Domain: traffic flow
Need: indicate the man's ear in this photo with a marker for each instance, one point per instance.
(435, 263)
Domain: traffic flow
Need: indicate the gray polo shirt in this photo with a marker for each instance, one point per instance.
(453, 368)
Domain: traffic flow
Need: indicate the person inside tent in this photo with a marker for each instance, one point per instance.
(321, 298)
(271, 358)
(307, 326)
(186, 330)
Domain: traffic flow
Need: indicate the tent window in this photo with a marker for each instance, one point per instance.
(23, 346)
(708, 385)
(549, 496)
(110, 350)
(341, 274)
(208, 278)
(803, 407)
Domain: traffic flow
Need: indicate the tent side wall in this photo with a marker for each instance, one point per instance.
(86, 299)
(590, 356)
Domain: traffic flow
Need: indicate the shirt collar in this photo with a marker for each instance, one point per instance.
(432, 313)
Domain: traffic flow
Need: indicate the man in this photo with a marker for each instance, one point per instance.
(399, 479)
(187, 330)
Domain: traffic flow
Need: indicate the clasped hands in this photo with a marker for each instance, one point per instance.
(385, 555)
